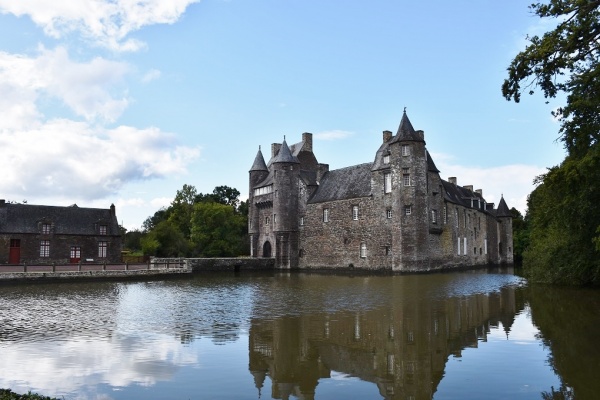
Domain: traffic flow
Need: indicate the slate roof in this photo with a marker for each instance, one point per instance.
(430, 164)
(285, 155)
(259, 162)
(73, 220)
(406, 132)
(459, 195)
(345, 183)
(503, 210)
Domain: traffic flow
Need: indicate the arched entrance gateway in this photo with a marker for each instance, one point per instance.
(266, 249)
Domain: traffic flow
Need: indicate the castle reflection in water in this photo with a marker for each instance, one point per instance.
(402, 348)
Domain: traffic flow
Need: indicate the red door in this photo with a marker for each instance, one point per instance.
(14, 254)
(75, 254)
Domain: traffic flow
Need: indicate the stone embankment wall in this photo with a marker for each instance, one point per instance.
(100, 275)
(229, 264)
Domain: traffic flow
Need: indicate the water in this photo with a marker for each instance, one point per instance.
(468, 335)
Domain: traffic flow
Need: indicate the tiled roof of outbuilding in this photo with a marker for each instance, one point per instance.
(73, 220)
(344, 183)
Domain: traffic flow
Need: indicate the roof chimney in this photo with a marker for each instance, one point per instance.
(479, 191)
(469, 187)
(2, 202)
(307, 140)
(452, 180)
(387, 135)
(275, 149)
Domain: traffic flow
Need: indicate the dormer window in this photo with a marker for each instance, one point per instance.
(386, 159)
(103, 229)
(46, 228)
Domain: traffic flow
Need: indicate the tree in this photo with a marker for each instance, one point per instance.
(217, 230)
(563, 216)
(165, 240)
(520, 235)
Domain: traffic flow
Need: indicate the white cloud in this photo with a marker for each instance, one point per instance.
(83, 87)
(161, 202)
(63, 159)
(151, 75)
(106, 23)
(514, 182)
(332, 135)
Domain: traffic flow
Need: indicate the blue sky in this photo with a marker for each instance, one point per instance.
(125, 101)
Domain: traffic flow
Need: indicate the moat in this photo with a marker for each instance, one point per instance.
(468, 335)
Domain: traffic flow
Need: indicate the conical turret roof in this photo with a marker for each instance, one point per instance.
(503, 210)
(259, 162)
(285, 155)
(406, 131)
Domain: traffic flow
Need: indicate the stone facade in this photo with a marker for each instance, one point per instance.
(395, 213)
(34, 234)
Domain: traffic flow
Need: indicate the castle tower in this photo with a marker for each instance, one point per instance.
(258, 173)
(409, 197)
(505, 238)
(285, 169)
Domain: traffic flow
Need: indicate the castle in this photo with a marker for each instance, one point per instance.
(394, 214)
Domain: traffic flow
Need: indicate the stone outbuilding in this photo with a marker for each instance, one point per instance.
(395, 213)
(37, 234)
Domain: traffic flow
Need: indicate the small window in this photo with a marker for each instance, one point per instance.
(274, 219)
(386, 159)
(407, 210)
(434, 216)
(355, 213)
(75, 252)
(102, 249)
(267, 221)
(388, 213)
(46, 229)
(388, 250)
(45, 248)
(363, 250)
(326, 215)
(405, 150)
(301, 221)
(103, 229)
(387, 182)
(445, 214)
(406, 176)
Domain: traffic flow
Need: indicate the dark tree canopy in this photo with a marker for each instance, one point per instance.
(562, 235)
(564, 60)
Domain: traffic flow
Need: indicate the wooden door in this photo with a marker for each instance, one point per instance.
(14, 254)
(75, 254)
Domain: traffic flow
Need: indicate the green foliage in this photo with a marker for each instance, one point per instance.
(563, 217)
(7, 394)
(520, 235)
(565, 223)
(198, 224)
(132, 240)
(217, 230)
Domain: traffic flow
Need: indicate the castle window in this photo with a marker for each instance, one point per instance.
(387, 182)
(267, 221)
(355, 213)
(434, 216)
(263, 190)
(474, 250)
(465, 246)
(405, 150)
(458, 246)
(274, 219)
(445, 213)
(103, 229)
(301, 221)
(363, 250)
(326, 215)
(45, 248)
(407, 210)
(485, 246)
(405, 176)
(388, 213)
(102, 249)
(386, 159)
(456, 217)
(388, 250)
(46, 229)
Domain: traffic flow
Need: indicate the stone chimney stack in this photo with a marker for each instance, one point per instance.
(452, 180)
(479, 191)
(387, 135)
(275, 149)
(469, 187)
(421, 134)
(307, 140)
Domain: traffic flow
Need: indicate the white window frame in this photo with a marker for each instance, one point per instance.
(387, 182)
(102, 249)
(103, 229)
(407, 210)
(386, 159)
(355, 213)
(434, 216)
(388, 213)
(46, 228)
(44, 248)
(363, 250)
(405, 150)
(326, 215)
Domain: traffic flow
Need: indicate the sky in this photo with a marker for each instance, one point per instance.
(125, 101)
